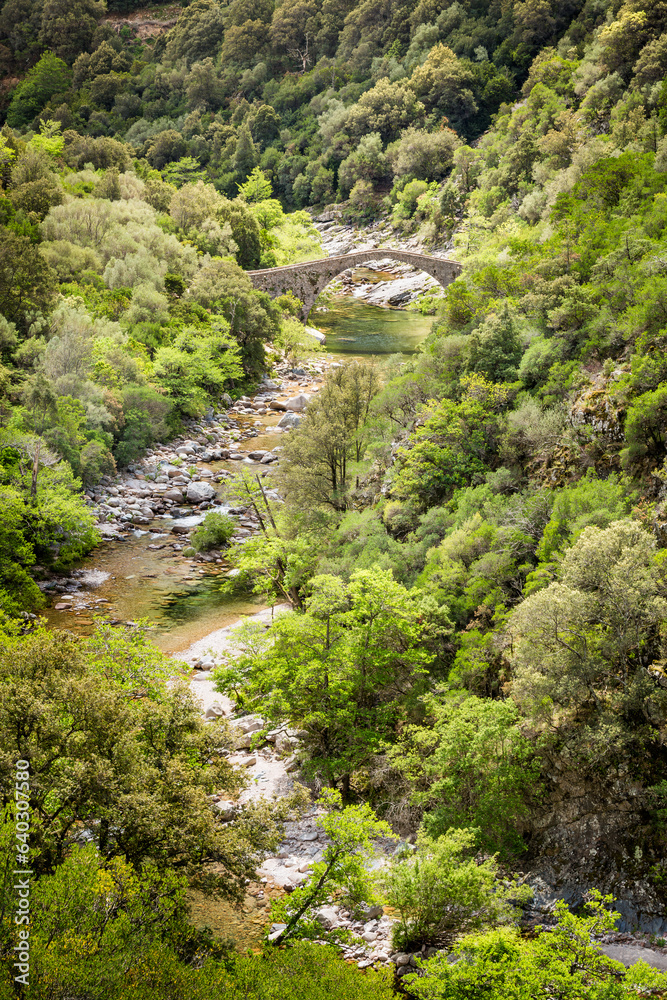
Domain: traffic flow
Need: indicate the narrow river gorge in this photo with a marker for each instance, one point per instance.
(139, 575)
(139, 572)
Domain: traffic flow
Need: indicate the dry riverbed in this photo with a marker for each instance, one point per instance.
(272, 767)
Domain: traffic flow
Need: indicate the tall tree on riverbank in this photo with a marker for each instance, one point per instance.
(344, 670)
(321, 453)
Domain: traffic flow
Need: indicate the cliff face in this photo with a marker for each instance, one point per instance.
(595, 834)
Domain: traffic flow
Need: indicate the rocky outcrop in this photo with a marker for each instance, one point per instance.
(290, 420)
(587, 835)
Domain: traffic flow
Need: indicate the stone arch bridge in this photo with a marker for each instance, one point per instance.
(310, 277)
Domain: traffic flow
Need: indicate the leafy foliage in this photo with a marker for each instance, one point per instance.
(123, 755)
(351, 833)
(562, 960)
(343, 670)
(441, 887)
(214, 531)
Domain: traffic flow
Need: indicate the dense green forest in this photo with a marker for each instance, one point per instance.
(472, 537)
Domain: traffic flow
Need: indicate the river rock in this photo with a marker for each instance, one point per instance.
(328, 917)
(249, 723)
(173, 494)
(292, 764)
(297, 403)
(276, 404)
(226, 810)
(199, 492)
(243, 760)
(284, 743)
(290, 420)
(630, 954)
(270, 384)
(276, 931)
(257, 456)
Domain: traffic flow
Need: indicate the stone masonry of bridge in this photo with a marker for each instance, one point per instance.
(309, 278)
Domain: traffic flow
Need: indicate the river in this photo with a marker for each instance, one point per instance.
(142, 577)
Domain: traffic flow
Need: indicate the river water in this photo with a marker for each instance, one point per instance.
(142, 577)
(355, 327)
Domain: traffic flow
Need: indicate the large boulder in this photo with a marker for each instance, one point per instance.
(328, 917)
(297, 403)
(226, 810)
(199, 492)
(290, 420)
(249, 723)
(173, 494)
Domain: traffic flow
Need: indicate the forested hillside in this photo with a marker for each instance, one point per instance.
(473, 538)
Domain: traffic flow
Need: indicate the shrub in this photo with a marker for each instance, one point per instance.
(96, 461)
(442, 888)
(214, 531)
(564, 961)
(472, 767)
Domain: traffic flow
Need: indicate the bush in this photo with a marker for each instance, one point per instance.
(471, 767)
(407, 200)
(145, 413)
(96, 461)
(214, 531)
(442, 888)
(563, 961)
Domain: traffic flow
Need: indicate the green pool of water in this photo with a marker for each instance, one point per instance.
(355, 327)
(136, 581)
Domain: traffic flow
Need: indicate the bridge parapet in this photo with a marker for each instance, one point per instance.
(308, 279)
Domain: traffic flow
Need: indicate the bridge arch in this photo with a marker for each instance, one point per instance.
(309, 278)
